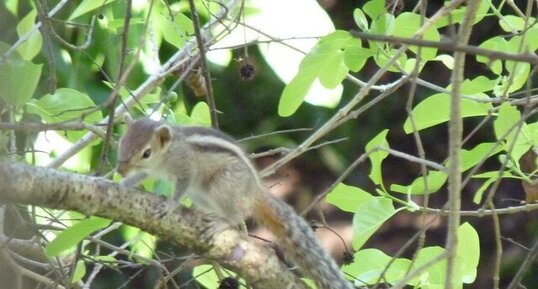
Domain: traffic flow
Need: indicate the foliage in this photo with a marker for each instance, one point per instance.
(91, 61)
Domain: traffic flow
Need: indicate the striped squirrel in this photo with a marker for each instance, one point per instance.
(211, 169)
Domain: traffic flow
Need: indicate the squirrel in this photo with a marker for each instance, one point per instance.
(212, 169)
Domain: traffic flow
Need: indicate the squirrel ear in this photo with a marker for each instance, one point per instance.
(128, 119)
(163, 135)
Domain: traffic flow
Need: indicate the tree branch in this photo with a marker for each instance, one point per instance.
(185, 227)
(455, 135)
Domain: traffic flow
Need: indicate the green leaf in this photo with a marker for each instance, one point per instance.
(477, 85)
(531, 40)
(496, 43)
(356, 56)
(360, 19)
(19, 80)
(477, 199)
(206, 276)
(141, 243)
(12, 6)
(447, 60)
(370, 263)
(200, 114)
(376, 158)
(80, 271)
(70, 237)
(408, 23)
(513, 24)
(468, 252)
(382, 57)
(347, 198)
(434, 179)
(436, 109)
(87, 6)
(374, 8)
(32, 46)
(335, 70)
(435, 275)
(505, 125)
(295, 92)
(518, 75)
(325, 61)
(177, 31)
(109, 261)
(469, 158)
(490, 178)
(369, 216)
(506, 121)
(456, 16)
(64, 105)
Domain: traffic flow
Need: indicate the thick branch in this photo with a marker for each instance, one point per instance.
(97, 196)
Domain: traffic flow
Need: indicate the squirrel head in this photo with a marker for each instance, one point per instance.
(143, 146)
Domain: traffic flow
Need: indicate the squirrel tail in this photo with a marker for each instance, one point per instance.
(299, 243)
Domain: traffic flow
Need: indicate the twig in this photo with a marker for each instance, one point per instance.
(486, 212)
(525, 266)
(274, 133)
(451, 46)
(455, 133)
(203, 63)
(121, 78)
(23, 272)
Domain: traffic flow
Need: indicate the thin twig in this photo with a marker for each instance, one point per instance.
(455, 133)
(525, 266)
(203, 63)
(450, 46)
(486, 212)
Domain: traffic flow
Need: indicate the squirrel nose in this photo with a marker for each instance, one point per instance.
(122, 168)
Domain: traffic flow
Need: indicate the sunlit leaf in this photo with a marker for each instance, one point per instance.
(508, 131)
(434, 180)
(178, 30)
(435, 109)
(326, 62)
(80, 271)
(141, 243)
(87, 6)
(64, 105)
(468, 253)
(377, 157)
(19, 78)
(369, 216)
(512, 23)
(347, 198)
(32, 46)
(70, 237)
(496, 44)
(408, 23)
(360, 19)
(370, 263)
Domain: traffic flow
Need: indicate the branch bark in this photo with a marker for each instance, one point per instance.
(46, 187)
(455, 134)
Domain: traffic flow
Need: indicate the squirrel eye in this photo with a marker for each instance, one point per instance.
(146, 154)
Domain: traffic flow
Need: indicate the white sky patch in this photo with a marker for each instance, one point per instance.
(300, 25)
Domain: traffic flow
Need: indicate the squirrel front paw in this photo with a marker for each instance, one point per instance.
(165, 207)
(214, 225)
